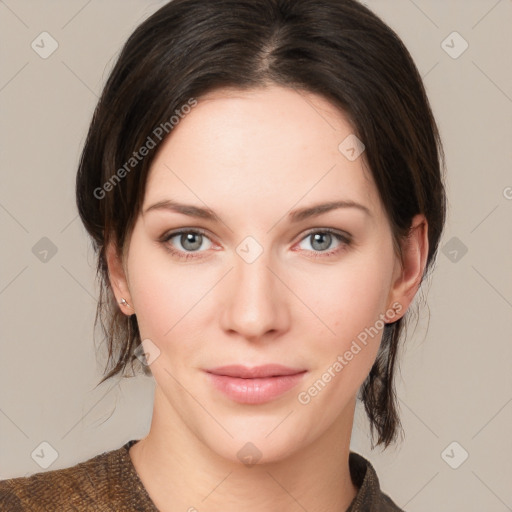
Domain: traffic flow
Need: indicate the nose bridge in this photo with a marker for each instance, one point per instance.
(256, 304)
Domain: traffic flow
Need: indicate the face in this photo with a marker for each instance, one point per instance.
(250, 274)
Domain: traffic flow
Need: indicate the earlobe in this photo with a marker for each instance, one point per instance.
(118, 280)
(414, 259)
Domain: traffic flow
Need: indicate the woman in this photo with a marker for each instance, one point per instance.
(262, 183)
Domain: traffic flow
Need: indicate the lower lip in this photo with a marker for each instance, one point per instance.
(255, 391)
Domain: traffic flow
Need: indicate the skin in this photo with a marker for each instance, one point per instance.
(252, 157)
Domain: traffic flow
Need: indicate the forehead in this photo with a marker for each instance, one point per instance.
(237, 148)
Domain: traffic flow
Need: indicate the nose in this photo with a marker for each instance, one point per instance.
(255, 300)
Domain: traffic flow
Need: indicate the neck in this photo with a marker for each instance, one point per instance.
(180, 472)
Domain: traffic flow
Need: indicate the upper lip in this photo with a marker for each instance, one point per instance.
(246, 372)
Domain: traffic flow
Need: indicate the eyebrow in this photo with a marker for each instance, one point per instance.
(294, 216)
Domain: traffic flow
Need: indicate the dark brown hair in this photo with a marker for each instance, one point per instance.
(335, 48)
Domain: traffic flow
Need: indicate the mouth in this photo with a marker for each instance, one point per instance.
(246, 372)
(254, 385)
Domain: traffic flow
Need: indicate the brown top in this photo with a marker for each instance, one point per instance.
(109, 482)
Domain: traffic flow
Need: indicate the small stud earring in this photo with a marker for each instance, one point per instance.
(124, 303)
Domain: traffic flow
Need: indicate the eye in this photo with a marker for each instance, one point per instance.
(191, 243)
(184, 243)
(322, 241)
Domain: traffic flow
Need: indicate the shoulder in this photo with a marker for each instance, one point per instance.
(96, 484)
(370, 497)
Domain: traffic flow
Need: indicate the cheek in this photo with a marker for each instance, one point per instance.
(166, 295)
(347, 298)
(346, 343)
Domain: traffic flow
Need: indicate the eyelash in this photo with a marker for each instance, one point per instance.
(345, 239)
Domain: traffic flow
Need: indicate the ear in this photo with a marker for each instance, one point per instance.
(407, 277)
(118, 279)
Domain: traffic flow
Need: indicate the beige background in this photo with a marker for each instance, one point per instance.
(455, 383)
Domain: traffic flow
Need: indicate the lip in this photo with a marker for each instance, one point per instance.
(254, 385)
(246, 372)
